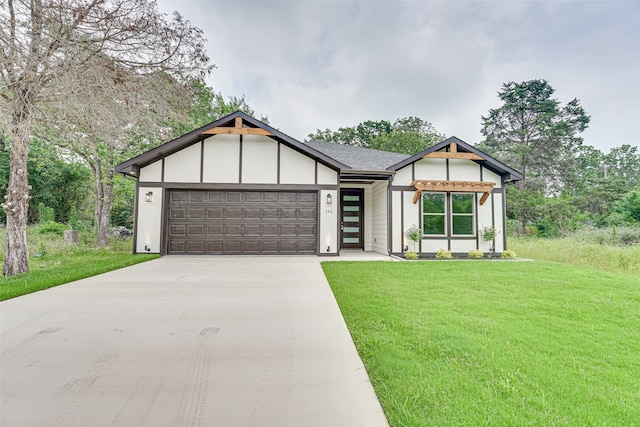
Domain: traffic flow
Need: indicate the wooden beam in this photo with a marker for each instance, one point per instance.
(462, 186)
(450, 186)
(484, 198)
(416, 196)
(453, 147)
(236, 131)
(452, 155)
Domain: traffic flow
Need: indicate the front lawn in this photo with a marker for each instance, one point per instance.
(495, 343)
(52, 262)
(57, 270)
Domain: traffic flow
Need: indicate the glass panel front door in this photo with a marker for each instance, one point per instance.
(352, 218)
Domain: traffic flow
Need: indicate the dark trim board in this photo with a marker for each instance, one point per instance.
(234, 186)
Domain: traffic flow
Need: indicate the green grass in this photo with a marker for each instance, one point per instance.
(577, 251)
(495, 343)
(63, 264)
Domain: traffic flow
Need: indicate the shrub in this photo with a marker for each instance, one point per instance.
(508, 255)
(411, 255)
(475, 254)
(51, 227)
(443, 254)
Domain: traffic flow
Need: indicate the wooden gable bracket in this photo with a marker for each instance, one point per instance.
(452, 154)
(236, 130)
(449, 186)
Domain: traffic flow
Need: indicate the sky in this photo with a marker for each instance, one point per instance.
(321, 64)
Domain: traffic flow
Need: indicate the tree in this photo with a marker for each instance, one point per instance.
(42, 40)
(408, 135)
(533, 133)
(206, 106)
(113, 114)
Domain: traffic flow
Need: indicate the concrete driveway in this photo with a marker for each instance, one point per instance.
(185, 341)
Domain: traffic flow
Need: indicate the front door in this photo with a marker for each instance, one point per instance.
(352, 218)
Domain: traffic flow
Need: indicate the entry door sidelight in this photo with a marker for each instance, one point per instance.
(352, 218)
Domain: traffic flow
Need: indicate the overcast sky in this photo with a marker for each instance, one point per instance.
(311, 65)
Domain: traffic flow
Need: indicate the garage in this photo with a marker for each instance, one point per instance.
(222, 222)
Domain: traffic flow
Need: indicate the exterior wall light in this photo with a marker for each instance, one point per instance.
(329, 199)
(328, 248)
(148, 197)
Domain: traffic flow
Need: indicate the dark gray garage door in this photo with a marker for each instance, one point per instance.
(242, 222)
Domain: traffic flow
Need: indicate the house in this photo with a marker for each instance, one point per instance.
(239, 186)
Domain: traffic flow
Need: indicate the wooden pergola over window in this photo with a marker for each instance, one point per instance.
(237, 129)
(451, 186)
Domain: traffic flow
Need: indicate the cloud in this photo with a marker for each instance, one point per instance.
(326, 64)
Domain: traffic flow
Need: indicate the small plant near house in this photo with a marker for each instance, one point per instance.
(412, 255)
(443, 254)
(508, 255)
(489, 235)
(414, 234)
(476, 254)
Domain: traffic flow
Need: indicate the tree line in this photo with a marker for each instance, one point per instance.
(567, 184)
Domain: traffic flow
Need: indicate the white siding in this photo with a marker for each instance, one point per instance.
(489, 176)
(152, 172)
(411, 217)
(463, 170)
(183, 166)
(403, 176)
(379, 222)
(498, 200)
(296, 168)
(463, 246)
(432, 169)
(326, 176)
(329, 222)
(259, 160)
(484, 220)
(396, 227)
(148, 227)
(432, 245)
(221, 159)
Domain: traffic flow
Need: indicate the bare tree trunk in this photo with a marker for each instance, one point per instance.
(104, 197)
(105, 216)
(16, 204)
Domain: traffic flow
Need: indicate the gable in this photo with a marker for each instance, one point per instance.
(221, 135)
(458, 155)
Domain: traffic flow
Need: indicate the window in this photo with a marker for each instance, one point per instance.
(462, 213)
(440, 208)
(433, 213)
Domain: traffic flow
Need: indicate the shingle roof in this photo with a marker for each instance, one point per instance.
(358, 158)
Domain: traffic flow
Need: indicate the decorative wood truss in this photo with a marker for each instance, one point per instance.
(449, 186)
(236, 130)
(453, 153)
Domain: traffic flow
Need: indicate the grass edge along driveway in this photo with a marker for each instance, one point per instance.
(495, 343)
(65, 269)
